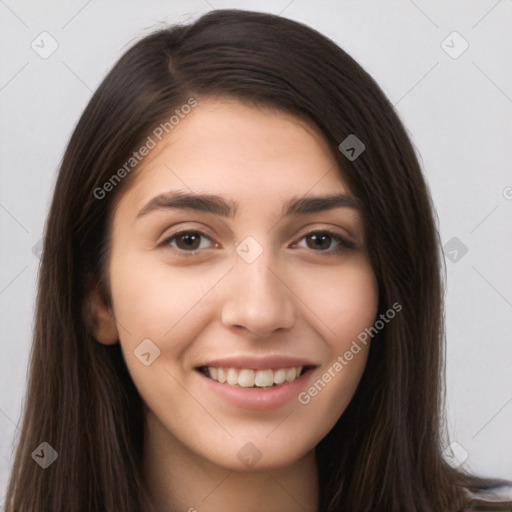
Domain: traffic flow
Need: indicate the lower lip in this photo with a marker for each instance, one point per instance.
(258, 399)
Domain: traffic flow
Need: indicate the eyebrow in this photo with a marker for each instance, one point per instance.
(218, 205)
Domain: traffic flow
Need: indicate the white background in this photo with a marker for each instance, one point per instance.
(458, 112)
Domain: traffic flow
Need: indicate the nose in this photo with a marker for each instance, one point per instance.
(257, 298)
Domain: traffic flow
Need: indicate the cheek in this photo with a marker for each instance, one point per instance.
(167, 305)
(342, 299)
(344, 302)
(163, 303)
(152, 298)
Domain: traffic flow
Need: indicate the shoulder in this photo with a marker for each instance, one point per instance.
(498, 499)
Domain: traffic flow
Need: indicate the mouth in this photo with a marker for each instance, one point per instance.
(254, 378)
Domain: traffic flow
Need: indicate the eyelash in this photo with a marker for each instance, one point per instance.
(342, 246)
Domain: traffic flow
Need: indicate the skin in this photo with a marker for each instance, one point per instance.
(294, 299)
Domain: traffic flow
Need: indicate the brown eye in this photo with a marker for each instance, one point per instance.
(185, 241)
(188, 241)
(319, 241)
(322, 241)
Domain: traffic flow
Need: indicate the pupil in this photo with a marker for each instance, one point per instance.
(322, 238)
(189, 240)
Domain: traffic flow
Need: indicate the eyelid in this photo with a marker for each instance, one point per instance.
(166, 241)
(183, 227)
(345, 242)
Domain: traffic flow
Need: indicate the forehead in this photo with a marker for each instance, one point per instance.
(245, 152)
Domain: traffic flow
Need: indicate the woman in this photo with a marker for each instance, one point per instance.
(240, 299)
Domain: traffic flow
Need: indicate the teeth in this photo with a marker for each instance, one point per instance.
(290, 374)
(264, 378)
(232, 377)
(280, 376)
(221, 377)
(247, 378)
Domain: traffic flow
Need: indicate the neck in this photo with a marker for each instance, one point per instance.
(179, 480)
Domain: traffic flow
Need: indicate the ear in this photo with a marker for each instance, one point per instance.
(101, 318)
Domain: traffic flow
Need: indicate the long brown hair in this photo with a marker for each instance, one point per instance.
(384, 453)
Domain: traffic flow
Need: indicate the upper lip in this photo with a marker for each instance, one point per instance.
(258, 363)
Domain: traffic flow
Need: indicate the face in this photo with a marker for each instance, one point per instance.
(238, 298)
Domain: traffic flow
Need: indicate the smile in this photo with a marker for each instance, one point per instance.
(249, 378)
